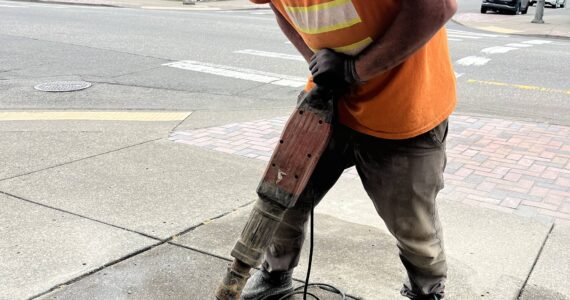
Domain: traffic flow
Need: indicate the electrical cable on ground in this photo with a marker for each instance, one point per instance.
(323, 286)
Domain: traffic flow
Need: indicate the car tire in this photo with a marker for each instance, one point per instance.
(483, 10)
(525, 10)
(517, 9)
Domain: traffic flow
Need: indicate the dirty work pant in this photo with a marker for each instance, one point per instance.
(402, 177)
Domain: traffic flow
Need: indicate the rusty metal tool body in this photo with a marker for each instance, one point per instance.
(302, 143)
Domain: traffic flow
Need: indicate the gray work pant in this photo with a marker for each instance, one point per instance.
(402, 177)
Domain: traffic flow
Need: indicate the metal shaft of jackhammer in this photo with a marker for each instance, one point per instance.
(248, 251)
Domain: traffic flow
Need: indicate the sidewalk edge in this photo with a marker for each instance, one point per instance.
(72, 3)
(560, 37)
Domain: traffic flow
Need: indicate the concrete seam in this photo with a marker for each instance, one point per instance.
(209, 220)
(159, 243)
(77, 215)
(97, 270)
(80, 159)
(199, 251)
(180, 123)
(535, 262)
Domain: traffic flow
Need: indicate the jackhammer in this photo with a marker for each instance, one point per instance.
(302, 143)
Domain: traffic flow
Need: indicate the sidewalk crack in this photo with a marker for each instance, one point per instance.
(535, 262)
(77, 215)
(80, 159)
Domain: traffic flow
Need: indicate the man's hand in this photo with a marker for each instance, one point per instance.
(333, 70)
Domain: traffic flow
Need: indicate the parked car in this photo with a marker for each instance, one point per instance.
(551, 3)
(510, 6)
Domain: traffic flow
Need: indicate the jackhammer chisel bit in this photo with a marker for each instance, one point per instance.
(302, 143)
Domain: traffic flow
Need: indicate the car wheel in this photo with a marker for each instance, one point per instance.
(483, 10)
(525, 10)
(517, 9)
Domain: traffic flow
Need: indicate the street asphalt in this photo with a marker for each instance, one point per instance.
(111, 208)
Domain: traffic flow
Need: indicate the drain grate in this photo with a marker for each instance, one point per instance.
(62, 86)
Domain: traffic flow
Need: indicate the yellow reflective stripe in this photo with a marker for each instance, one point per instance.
(330, 28)
(316, 7)
(354, 48)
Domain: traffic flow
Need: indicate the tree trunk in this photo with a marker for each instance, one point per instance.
(539, 12)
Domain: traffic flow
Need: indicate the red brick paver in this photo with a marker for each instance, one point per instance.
(512, 166)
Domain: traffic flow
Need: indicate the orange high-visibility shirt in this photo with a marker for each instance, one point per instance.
(401, 103)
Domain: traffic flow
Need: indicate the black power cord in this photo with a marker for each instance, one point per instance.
(305, 287)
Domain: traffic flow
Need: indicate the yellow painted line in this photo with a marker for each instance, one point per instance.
(518, 86)
(92, 116)
(498, 29)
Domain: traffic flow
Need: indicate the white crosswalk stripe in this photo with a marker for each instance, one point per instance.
(460, 35)
(239, 73)
(473, 61)
(262, 12)
(271, 54)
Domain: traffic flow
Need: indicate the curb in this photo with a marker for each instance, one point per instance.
(181, 8)
(73, 3)
(560, 37)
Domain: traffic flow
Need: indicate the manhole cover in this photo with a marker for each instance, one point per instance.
(62, 86)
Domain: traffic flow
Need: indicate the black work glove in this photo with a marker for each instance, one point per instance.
(332, 70)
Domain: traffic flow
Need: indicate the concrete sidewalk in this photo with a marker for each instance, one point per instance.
(135, 212)
(557, 23)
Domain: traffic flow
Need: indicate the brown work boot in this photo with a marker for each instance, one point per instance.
(268, 286)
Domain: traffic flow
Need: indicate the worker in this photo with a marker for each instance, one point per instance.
(388, 63)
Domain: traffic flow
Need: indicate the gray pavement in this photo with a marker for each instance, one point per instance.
(114, 209)
(189, 200)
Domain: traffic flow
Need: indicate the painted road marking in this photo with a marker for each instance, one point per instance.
(518, 86)
(498, 49)
(92, 116)
(517, 45)
(181, 8)
(537, 42)
(271, 54)
(463, 36)
(473, 61)
(453, 31)
(266, 12)
(239, 73)
(498, 29)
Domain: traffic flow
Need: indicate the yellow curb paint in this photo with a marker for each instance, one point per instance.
(518, 86)
(92, 116)
(498, 29)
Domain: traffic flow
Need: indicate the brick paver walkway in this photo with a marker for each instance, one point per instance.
(512, 166)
